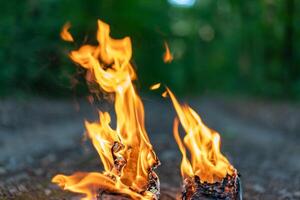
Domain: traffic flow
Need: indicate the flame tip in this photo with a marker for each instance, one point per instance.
(65, 34)
(167, 57)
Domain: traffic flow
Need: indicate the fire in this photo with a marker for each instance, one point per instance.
(65, 34)
(126, 152)
(207, 161)
(168, 57)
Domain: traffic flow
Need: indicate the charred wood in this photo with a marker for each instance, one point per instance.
(227, 189)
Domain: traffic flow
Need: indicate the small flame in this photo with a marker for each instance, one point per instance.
(126, 152)
(164, 94)
(65, 34)
(168, 57)
(155, 86)
(207, 161)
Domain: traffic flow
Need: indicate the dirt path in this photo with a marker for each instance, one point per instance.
(40, 138)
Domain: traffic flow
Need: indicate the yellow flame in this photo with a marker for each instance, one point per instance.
(168, 57)
(203, 143)
(126, 152)
(155, 86)
(65, 34)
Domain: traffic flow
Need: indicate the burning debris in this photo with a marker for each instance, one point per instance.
(209, 175)
(126, 152)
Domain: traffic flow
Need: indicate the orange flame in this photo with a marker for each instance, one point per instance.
(155, 86)
(65, 34)
(207, 161)
(168, 57)
(164, 94)
(126, 153)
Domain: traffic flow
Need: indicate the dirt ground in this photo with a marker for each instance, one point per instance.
(42, 137)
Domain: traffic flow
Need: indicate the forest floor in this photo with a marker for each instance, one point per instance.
(40, 138)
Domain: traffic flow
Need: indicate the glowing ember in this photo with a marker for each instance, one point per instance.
(168, 57)
(155, 86)
(203, 143)
(65, 34)
(126, 153)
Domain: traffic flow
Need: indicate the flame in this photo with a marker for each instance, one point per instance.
(207, 161)
(168, 57)
(164, 94)
(126, 153)
(155, 86)
(65, 34)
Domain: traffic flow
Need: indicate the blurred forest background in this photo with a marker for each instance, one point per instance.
(223, 46)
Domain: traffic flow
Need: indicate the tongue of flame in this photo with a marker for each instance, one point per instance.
(125, 152)
(207, 162)
(65, 34)
(167, 57)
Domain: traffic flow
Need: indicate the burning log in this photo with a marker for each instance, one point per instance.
(229, 189)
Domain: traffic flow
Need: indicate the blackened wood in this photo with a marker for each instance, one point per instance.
(227, 189)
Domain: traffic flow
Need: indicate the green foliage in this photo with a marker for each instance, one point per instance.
(231, 46)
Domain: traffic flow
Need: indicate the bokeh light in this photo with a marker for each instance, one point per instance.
(182, 3)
